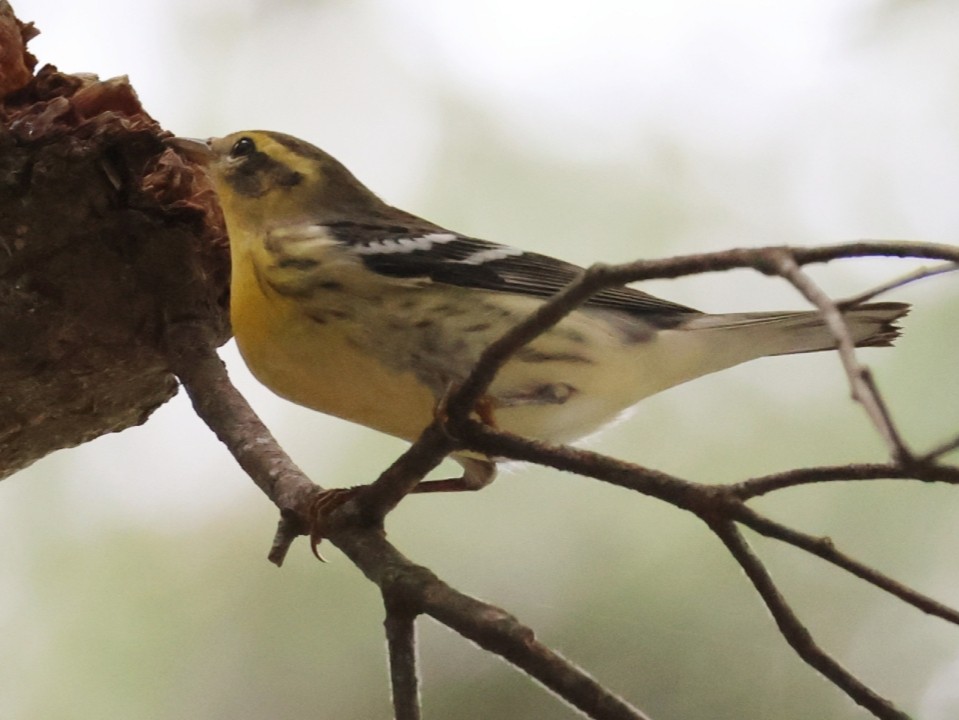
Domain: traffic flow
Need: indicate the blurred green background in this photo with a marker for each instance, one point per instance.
(133, 579)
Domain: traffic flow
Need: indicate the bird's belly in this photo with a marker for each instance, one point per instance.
(548, 392)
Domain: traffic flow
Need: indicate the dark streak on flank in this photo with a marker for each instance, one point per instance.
(261, 283)
(290, 290)
(571, 335)
(546, 394)
(291, 263)
(449, 310)
(531, 355)
(478, 327)
(498, 311)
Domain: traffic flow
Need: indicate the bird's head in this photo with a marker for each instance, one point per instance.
(263, 177)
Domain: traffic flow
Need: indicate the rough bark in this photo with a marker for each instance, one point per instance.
(104, 238)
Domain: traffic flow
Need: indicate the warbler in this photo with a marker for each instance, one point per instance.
(347, 305)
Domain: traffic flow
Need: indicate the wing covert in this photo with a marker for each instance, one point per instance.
(429, 252)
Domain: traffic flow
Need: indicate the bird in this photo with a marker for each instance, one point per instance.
(347, 305)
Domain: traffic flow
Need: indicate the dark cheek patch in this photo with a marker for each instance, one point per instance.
(243, 182)
(258, 173)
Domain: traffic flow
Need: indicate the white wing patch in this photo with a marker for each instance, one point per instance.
(404, 245)
(501, 252)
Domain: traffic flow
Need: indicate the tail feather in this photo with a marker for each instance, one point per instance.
(882, 316)
(787, 333)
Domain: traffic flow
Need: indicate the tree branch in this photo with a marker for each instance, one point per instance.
(861, 381)
(488, 626)
(400, 625)
(219, 404)
(907, 279)
(940, 451)
(824, 548)
(795, 633)
(399, 479)
(924, 471)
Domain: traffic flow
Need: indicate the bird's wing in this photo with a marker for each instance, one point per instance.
(444, 257)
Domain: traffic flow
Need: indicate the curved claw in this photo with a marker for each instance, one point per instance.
(484, 408)
(323, 504)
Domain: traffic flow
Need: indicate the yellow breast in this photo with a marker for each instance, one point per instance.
(315, 364)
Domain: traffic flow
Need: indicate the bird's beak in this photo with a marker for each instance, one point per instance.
(199, 151)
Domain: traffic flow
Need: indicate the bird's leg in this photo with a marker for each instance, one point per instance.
(482, 407)
(477, 474)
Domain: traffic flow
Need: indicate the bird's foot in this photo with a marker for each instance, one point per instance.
(483, 408)
(323, 504)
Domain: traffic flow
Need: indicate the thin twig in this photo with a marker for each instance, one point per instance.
(400, 625)
(876, 248)
(758, 259)
(796, 634)
(399, 479)
(288, 528)
(825, 549)
(909, 278)
(462, 400)
(725, 502)
(220, 405)
(646, 481)
(861, 381)
(488, 626)
(921, 471)
(939, 451)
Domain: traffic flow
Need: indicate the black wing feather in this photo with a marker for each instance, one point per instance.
(499, 269)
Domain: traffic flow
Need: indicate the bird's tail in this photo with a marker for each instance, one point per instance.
(786, 333)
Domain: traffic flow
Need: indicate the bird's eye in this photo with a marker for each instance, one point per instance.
(242, 147)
